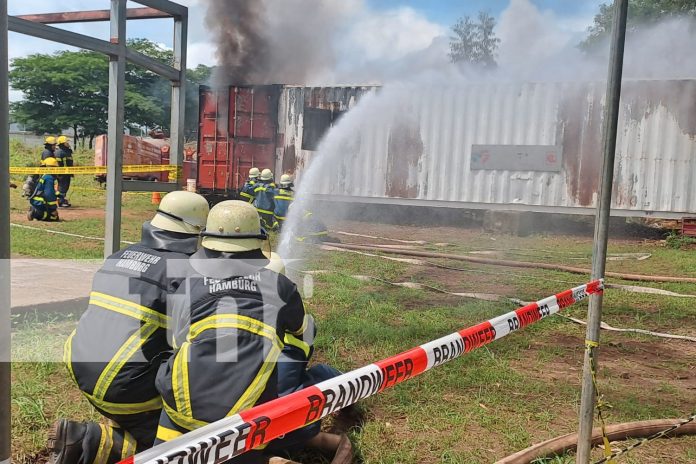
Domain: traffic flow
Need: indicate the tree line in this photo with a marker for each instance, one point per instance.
(473, 41)
(71, 90)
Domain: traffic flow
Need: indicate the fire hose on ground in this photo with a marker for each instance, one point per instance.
(617, 432)
(235, 435)
(521, 264)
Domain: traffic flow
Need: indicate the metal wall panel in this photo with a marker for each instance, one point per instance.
(423, 152)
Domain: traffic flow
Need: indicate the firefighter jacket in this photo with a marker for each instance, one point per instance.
(47, 153)
(64, 156)
(44, 195)
(283, 198)
(121, 339)
(247, 193)
(229, 331)
(264, 193)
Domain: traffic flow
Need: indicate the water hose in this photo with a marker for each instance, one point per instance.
(617, 432)
(521, 264)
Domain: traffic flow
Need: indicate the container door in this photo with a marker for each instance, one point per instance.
(213, 141)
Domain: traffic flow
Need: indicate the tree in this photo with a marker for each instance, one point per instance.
(70, 89)
(474, 42)
(641, 13)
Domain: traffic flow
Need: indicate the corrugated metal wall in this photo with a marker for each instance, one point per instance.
(422, 150)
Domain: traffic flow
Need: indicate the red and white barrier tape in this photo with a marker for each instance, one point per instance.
(232, 436)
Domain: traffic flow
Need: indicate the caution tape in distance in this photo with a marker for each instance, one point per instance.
(235, 435)
(93, 170)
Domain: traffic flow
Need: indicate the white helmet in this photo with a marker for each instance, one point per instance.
(182, 212)
(267, 174)
(254, 173)
(285, 179)
(233, 226)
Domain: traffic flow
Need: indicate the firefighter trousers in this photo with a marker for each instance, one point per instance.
(124, 437)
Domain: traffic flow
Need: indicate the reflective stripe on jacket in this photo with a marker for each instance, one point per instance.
(264, 193)
(229, 329)
(121, 339)
(64, 156)
(283, 198)
(247, 193)
(45, 192)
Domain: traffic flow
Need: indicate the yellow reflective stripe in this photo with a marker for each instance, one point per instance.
(125, 409)
(165, 434)
(281, 218)
(180, 383)
(264, 211)
(51, 203)
(283, 197)
(300, 331)
(123, 355)
(106, 442)
(39, 199)
(67, 355)
(129, 446)
(297, 343)
(244, 194)
(186, 422)
(235, 321)
(253, 392)
(318, 234)
(128, 308)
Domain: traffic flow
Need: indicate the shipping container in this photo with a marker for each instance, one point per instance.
(506, 146)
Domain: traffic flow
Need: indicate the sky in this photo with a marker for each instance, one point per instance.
(375, 29)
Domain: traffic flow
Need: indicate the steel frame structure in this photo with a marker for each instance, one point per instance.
(119, 54)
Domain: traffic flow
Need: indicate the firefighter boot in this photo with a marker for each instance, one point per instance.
(65, 442)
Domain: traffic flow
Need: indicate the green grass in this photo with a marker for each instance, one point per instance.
(488, 404)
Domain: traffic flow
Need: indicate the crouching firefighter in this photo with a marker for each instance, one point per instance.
(283, 198)
(121, 340)
(43, 201)
(229, 329)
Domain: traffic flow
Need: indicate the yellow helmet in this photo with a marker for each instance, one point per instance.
(50, 162)
(285, 179)
(233, 226)
(267, 174)
(182, 212)
(254, 173)
(63, 140)
(50, 140)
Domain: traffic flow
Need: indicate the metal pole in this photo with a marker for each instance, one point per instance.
(176, 134)
(5, 282)
(114, 175)
(601, 233)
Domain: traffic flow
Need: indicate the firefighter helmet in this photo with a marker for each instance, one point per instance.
(254, 173)
(63, 140)
(285, 179)
(233, 226)
(267, 174)
(182, 212)
(50, 162)
(50, 140)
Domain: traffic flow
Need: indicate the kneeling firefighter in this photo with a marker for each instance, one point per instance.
(43, 201)
(121, 340)
(229, 322)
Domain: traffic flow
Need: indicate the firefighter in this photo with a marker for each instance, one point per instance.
(263, 201)
(229, 322)
(43, 201)
(64, 155)
(121, 340)
(312, 230)
(283, 197)
(247, 193)
(49, 148)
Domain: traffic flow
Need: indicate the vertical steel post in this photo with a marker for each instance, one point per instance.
(178, 119)
(5, 282)
(601, 232)
(114, 175)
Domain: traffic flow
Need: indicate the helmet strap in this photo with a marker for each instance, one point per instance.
(179, 218)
